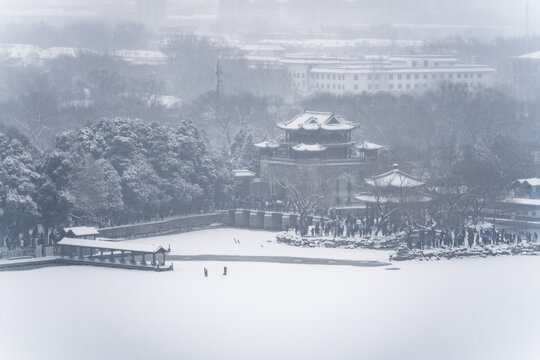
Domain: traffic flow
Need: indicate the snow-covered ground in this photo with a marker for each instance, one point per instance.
(464, 309)
(220, 241)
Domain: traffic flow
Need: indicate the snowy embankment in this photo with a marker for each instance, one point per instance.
(372, 242)
(221, 241)
(462, 252)
(402, 253)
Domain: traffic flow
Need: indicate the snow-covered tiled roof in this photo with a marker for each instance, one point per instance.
(82, 230)
(522, 201)
(369, 146)
(242, 173)
(267, 144)
(393, 199)
(314, 120)
(534, 55)
(395, 178)
(112, 245)
(308, 147)
(363, 69)
(530, 181)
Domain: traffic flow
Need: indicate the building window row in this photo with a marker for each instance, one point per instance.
(398, 76)
(442, 76)
(328, 76)
(330, 86)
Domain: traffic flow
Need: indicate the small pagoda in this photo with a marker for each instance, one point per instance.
(392, 189)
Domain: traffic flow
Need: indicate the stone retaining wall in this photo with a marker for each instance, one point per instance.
(184, 223)
(241, 218)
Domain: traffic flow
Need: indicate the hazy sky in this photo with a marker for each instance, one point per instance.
(509, 13)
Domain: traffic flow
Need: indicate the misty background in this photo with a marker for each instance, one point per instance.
(99, 97)
(413, 18)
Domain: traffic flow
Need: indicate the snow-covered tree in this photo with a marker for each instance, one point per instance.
(19, 184)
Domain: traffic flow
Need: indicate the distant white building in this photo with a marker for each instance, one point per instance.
(522, 206)
(264, 56)
(395, 74)
(525, 75)
(526, 188)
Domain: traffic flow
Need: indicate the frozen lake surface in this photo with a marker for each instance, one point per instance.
(458, 309)
(252, 242)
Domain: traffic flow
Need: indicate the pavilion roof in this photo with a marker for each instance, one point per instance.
(112, 245)
(393, 199)
(243, 173)
(314, 120)
(366, 145)
(521, 201)
(395, 178)
(81, 230)
(308, 147)
(530, 181)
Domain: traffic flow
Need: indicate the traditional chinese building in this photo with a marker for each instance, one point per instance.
(244, 182)
(317, 146)
(392, 189)
(520, 209)
(80, 232)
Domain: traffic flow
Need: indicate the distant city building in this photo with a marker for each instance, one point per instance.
(395, 74)
(521, 208)
(525, 75)
(317, 147)
(526, 188)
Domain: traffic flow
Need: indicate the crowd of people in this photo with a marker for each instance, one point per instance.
(469, 236)
(34, 237)
(416, 237)
(336, 226)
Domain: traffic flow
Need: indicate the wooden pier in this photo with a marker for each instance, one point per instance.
(113, 254)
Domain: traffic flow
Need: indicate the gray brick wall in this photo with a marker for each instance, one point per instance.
(185, 223)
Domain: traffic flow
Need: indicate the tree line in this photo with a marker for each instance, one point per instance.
(116, 171)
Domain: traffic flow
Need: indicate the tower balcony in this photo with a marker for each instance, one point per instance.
(312, 161)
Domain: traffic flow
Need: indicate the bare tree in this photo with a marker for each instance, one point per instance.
(36, 108)
(305, 197)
